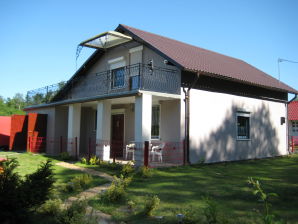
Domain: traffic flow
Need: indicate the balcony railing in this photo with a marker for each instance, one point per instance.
(120, 80)
(125, 79)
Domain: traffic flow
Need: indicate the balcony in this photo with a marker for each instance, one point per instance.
(112, 82)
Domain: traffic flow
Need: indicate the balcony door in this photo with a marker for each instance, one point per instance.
(117, 68)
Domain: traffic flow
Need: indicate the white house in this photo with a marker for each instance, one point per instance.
(192, 104)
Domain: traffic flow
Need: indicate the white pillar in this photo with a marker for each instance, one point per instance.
(103, 131)
(74, 127)
(143, 111)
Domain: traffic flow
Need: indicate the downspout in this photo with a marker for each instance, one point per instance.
(187, 115)
(287, 121)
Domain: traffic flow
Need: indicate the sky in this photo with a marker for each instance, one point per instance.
(38, 39)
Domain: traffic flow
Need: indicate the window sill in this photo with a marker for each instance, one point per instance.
(243, 139)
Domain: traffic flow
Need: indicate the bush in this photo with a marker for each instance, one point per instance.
(65, 156)
(151, 204)
(116, 191)
(36, 188)
(211, 211)
(94, 161)
(75, 214)
(131, 205)
(18, 196)
(78, 183)
(84, 161)
(50, 207)
(144, 172)
(127, 169)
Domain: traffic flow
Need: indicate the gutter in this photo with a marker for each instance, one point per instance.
(287, 121)
(80, 100)
(187, 118)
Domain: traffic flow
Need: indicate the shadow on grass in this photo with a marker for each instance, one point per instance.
(227, 184)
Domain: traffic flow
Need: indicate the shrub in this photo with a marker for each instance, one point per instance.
(75, 214)
(84, 160)
(83, 180)
(18, 196)
(78, 183)
(211, 211)
(36, 188)
(116, 191)
(131, 205)
(268, 217)
(144, 172)
(50, 207)
(65, 156)
(127, 169)
(94, 160)
(151, 204)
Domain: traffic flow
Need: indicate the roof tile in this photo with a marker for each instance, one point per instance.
(198, 59)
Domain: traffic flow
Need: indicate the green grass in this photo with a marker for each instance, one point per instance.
(113, 171)
(28, 163)
(226, 183)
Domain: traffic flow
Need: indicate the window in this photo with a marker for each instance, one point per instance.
(243, 125)
(295, 126)
(155, 122)
(118, 75)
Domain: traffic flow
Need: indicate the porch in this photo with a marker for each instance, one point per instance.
(118, 129)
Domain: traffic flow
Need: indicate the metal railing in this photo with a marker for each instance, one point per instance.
(293, 143)
(43, 94)
(125, 79)
(128, 78)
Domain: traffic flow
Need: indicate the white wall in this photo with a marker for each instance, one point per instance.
(213, 127)
(170, 121)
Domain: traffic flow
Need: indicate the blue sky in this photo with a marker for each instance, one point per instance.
(39, 38)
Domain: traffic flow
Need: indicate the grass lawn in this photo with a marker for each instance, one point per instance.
(28, 163)
(226, 183)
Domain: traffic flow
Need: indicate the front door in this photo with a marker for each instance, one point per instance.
(117, 135)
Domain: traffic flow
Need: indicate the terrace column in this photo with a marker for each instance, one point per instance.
(74, 128)
(103, 130)
(143, 111)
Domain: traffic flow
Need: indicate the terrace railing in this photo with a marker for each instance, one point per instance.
(124, 79)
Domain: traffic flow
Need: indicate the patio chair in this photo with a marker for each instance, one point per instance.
(130, 149)
(156, 152)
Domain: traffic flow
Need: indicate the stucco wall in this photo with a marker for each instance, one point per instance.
(87, 129)
(61, 123)
(170, 121)
(213, 127)
(129, 123)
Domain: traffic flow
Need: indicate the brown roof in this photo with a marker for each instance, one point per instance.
(293, 111)
(198, 59)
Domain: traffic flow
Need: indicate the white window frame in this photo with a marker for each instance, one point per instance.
(295, 127)
(159, 121)
(243, 114)
(114, 64)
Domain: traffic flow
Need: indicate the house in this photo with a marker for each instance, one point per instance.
(293, 124)
(192, 104)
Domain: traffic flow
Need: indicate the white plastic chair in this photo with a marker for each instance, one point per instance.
(156, 152)
(130, 148)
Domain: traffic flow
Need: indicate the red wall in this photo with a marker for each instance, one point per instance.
(18, 132)
(5, 122)
(37, 131)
